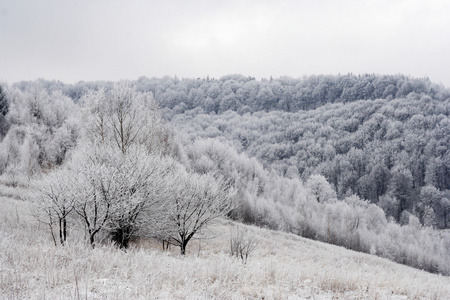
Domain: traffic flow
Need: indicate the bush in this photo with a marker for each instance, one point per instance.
(242, 243)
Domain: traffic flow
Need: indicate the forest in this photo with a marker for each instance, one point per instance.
(361, 162)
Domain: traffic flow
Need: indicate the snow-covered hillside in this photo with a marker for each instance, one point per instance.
(283, 266)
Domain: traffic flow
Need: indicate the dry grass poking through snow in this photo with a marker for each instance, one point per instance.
(283, 267)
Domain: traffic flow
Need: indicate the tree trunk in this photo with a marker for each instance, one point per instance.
(165, 245)
(53, 234)
(445, 219)
(61, 237)
(92, 240)
(183, 248)
(184, 242)
(122, 236)
(65, 229)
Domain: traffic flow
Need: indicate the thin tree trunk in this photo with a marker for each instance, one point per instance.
(53, 235)
(91, 239)
(61, 238)
(65, 229)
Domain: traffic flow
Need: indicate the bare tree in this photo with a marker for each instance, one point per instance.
(242, 243)
(93, 187)
(118, 193)
(95, 114)
(140, 179)
(195, 202)
(127, 127)
(123, 117)
(52, 202)
(127, 170)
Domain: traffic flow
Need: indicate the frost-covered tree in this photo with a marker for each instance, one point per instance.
(95, 114)
(118, 193)
(429, 217)
(429, 201)
(53, 201)
(320, 189)
(242, 243)
(94, 190)
(123, 117)
(4, 108)
(445, 204)
(42, 129)
(401, 187)
(139, 200)
(194, 203)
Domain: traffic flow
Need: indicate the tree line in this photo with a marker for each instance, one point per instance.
(244, 94)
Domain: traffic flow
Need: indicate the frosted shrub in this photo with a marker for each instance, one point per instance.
(242, 243)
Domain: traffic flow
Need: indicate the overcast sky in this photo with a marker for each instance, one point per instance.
(112, 39)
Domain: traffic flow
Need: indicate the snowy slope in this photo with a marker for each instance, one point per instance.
(283, 266)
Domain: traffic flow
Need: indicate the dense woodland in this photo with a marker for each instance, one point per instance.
(358, 161)
(393, 153)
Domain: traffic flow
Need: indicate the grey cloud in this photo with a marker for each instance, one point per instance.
(94, 40)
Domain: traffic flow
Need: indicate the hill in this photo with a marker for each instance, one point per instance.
(382, 137)
(394, 153)
(369, 175)
(283, 266)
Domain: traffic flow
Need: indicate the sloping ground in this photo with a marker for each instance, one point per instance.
(283, 266)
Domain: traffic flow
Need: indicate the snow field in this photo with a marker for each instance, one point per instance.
(283, 266)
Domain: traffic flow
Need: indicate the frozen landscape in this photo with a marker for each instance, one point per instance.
(100, 192)
(225, 149)
(283, 266)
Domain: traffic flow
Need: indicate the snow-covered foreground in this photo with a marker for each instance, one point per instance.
(283, 266)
